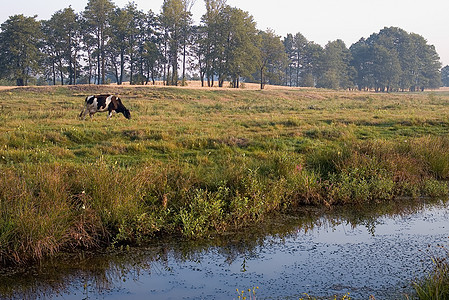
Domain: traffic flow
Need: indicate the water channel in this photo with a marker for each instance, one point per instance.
(378, 250)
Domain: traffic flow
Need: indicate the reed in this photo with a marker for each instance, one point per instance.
(435, 284)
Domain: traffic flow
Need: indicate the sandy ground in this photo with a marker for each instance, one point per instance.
(2, 87)
(190, 85)
(226, 85)
(197, 85)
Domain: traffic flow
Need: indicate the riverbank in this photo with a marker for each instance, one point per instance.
(195, 162)
(373, 250)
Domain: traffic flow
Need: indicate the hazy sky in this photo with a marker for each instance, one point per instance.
(318, 20)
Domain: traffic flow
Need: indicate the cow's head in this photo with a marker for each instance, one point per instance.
(120, 108)
(126, 113)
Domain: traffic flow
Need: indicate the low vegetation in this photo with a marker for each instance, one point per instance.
(197, 162)
(435, 285)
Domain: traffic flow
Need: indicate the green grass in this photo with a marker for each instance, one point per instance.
(435, 285)
(196, 162)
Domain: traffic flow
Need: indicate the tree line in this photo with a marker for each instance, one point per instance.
(105, 43)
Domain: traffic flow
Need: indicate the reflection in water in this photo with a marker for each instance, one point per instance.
(375, 250)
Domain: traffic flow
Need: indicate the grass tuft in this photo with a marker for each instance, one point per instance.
(435, 285)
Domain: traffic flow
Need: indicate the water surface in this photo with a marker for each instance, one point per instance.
(376, 251)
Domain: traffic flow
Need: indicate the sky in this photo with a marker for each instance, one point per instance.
(320, 21)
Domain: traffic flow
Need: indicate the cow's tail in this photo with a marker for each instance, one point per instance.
(83, 112)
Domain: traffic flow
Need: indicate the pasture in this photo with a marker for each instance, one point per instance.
(196, 162)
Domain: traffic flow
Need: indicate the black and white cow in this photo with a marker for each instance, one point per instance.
(103, 103)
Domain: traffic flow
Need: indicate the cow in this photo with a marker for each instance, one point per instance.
(103, 103)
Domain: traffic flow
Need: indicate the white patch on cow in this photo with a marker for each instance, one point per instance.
(93, 107)
(106, 105)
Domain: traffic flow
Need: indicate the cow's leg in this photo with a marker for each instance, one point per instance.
(83, 114)
(110, 114)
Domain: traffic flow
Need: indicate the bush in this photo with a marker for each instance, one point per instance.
(203, 213)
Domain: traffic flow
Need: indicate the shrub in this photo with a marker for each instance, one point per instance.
(203, 213)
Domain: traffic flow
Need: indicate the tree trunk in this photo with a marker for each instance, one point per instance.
(61, 74)
(114, 64)
(152, 75)
(131, 67)
(103, 67)
(70, 69)
(297, 72)
(167, 75)
(74, 67)
(184, 66)
(89, 65)
(54, 73)
(261, 79)
(122, 66)
(98, 59)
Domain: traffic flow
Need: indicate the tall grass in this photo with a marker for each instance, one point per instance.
(199, 162)
(48, 207)
(435, 285)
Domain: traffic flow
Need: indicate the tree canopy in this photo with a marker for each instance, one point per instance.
(105, 43)
(20, 41)
(445, 76)
(394, 59)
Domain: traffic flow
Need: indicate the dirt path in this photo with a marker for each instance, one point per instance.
(197, 85)
(2, 88)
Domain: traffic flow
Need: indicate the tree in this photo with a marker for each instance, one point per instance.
(300, 44)
(337, 73)
(210, 38)
(199, 47)
(90, 59)
(228, 43)
(445, 76)
(272, 56)
(394, 59)
(386, 68)
(186, 34)
(134, 38)
(311, 64)
(147, 41)
(53, 50)
(62, 44)
(429, 75)
(240, 54)
(175, 20)
(304, 60)
(71, 37)
(363, 64)
(151, 57)
(290, 54)
(20, 39)
(97, 15)
(118, 45)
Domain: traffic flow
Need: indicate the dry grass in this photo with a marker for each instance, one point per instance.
(195, 84)
(195, 161)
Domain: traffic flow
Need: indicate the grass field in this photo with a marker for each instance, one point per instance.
(199, 161)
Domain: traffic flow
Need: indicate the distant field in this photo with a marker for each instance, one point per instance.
(200, 161)
(197, 84)
(191, 85)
